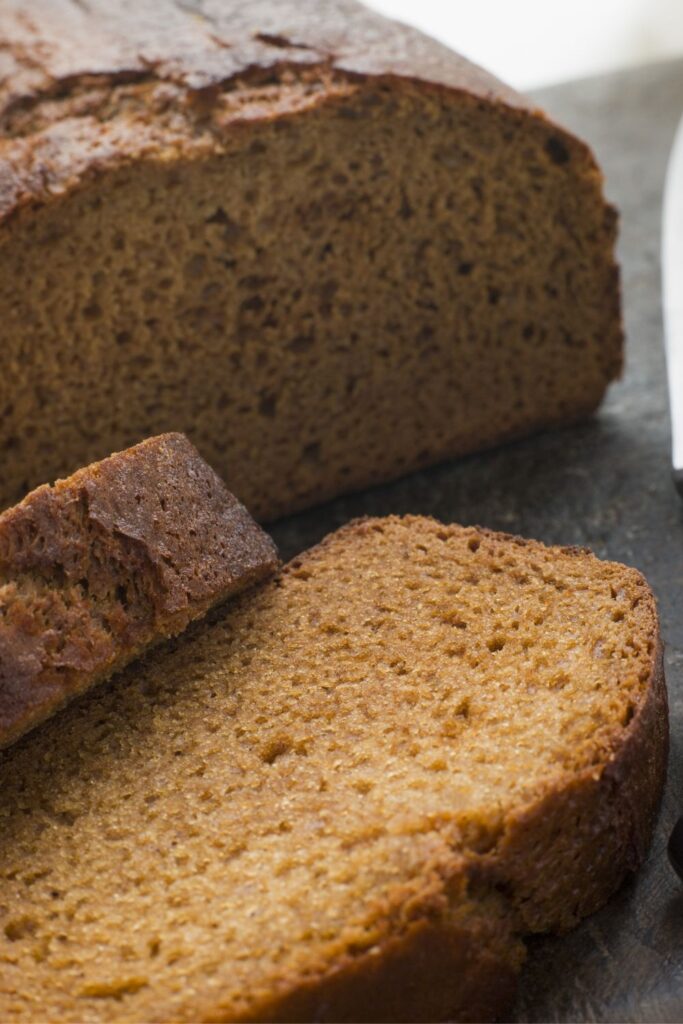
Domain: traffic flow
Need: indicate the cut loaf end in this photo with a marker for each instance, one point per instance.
(349, 798)
(119, 556)
(350, 256)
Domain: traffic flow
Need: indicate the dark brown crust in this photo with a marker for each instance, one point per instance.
(106, 563)
(563, 857)
(558, 859)
(435, 971)
(57, 54)
(52, 45)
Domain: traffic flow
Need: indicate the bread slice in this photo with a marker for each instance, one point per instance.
(123, 554)
(348, 798)
(326, 248)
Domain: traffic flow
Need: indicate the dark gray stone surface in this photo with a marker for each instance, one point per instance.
(607, 485)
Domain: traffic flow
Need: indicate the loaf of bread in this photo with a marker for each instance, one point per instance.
(120, 556)
(323, 246)
(347, 799)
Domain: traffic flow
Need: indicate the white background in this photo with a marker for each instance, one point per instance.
(536, 42)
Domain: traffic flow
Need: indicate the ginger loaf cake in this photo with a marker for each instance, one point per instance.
(347, 798)
(121, 555)
(322, 245)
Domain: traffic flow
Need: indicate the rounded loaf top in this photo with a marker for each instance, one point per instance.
(85, 86)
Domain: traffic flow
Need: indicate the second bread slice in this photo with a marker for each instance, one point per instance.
(121, 555)
(348, 799)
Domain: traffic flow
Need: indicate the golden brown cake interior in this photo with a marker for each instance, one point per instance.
(302, 808)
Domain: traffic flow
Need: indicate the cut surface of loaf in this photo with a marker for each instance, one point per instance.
(323, 246)
(119, 556)
(347, 798)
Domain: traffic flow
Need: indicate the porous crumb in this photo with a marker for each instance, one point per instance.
(364, 782)
(325, 278)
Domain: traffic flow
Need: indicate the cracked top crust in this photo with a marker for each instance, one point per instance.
(87, 84)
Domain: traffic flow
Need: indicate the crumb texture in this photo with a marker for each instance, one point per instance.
(352, 788)
(262, 229)
(121, 555)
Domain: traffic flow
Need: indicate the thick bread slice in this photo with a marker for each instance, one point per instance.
(323, 246)
(345, 800)
(119, 556)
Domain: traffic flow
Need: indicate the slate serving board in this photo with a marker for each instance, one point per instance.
(607, 485)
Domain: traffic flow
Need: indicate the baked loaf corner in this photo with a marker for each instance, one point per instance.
(350, 798)
(117, 557)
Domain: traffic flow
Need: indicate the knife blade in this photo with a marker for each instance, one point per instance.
(672, 298)
(672, 303)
